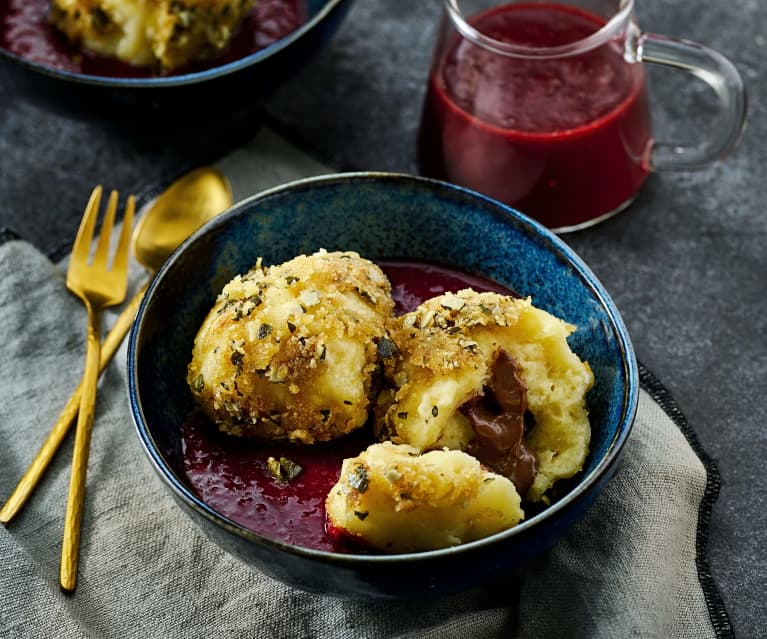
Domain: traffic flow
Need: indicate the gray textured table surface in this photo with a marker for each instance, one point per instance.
(686, 264)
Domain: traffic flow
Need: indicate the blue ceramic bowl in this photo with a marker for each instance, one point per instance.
(380, 216)
(216, 88)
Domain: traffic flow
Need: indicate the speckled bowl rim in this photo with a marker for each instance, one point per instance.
(547, 238)
(186, 78)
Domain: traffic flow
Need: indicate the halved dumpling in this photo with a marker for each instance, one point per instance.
(494, 376)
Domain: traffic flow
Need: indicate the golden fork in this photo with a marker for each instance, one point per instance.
(98, 285)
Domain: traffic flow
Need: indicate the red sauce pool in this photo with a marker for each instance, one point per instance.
(25, 32)
(563, 140)
(230, 474)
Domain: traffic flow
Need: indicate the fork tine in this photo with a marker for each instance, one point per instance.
(105, 235)
(82, 246)
(123, 247)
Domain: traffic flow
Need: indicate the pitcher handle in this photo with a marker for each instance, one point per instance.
(720, 74)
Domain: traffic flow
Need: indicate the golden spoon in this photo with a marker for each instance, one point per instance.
(179, 211)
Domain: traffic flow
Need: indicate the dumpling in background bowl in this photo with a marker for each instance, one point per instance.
(162, 34)
(177, 69)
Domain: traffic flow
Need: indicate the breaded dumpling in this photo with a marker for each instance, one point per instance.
(163, 33)
(290, 352)
(398, 500)
(494, 376)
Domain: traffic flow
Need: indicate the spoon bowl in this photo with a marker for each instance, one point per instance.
(181, 209)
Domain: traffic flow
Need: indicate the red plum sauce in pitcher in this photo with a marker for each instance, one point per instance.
(565, 140)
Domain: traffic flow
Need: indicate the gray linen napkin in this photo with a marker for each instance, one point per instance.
(635, 566)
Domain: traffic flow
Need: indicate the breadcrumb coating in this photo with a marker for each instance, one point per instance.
(290, 352)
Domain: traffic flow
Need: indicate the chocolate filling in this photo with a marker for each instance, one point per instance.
(498, 420)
